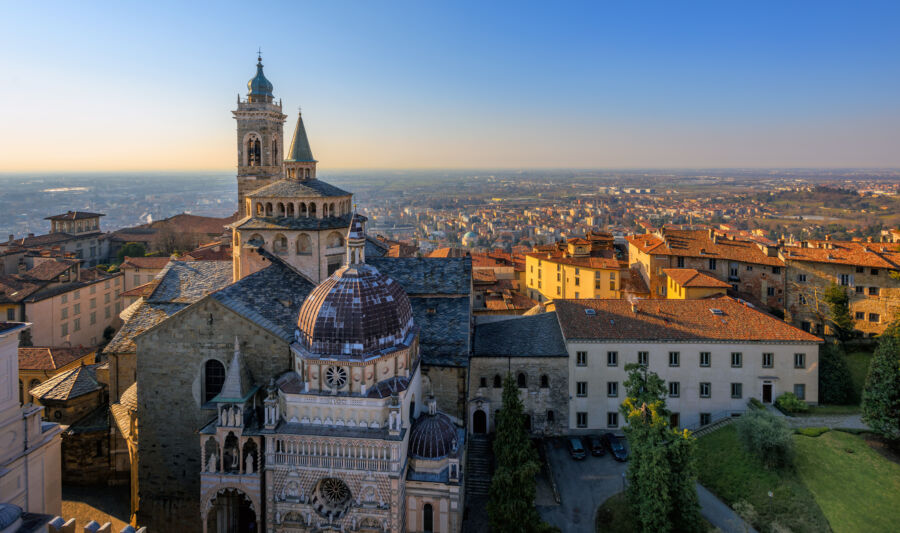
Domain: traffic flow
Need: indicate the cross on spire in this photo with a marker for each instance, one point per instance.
(259, 54)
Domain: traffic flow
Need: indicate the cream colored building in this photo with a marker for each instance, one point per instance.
(75, 314)
(714, 354)
(30, 467)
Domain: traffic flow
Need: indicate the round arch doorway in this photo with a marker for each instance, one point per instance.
(479, 421)
(230, 511)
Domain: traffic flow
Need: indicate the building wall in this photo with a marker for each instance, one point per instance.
(77, 317)
(135, 277)
(537, 400)
(547, 280)
(674, 291)
(314, 265)
(27, 378)
(266, 121)
(689, 374)
(805, 304)
(446, 503)
(85, 458)
(68, 412)
(170, 358)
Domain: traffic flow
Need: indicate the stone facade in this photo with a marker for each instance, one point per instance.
(170, 407)
(447, 384)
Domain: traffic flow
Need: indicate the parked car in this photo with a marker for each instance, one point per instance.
(576, 448)
(595, 443)
(615, 447)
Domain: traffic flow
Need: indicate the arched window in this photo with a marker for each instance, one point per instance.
(545, 382)
(498, 383)
(331, 210)
(302, 209)
(482, 382)
(335, 240)
(304, 244)
(256, 240)
(312, 209)
(428, 518)
(522, 380)
(280, 246)
(281, 210)
(268, 209)
(274, 151)
(307, 173)
(259, 209)
(290, 210)
(324, 210)
(253, 152)
(213, 379)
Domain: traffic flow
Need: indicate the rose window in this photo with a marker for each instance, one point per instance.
(336, 377)
(331, 497)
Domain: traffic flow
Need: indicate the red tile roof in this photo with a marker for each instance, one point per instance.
(48, 357)
(448, 252)
(691, 277)
(698, 243)
(715, 319)
(866, 254)
(145, 262)
(607, 260)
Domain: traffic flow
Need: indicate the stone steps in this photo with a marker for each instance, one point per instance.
(479, 466)
(718, 424)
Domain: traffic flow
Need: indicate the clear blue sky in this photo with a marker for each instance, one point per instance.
(150, 85)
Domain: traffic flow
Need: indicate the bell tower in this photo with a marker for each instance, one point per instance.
(260, 138)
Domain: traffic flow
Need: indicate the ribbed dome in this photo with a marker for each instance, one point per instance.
(432, 437)
(357, 311)
(259, 86)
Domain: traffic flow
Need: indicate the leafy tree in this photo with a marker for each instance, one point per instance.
(881, 395)
(835, 384)
(839, 312)
(511, 498)
(645, 387)
(766, 436)
(661, 472)
(131, 249)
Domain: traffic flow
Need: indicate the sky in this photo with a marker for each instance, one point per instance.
(128, 85)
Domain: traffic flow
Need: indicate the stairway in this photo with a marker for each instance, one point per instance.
(718, 424)
(479, 466)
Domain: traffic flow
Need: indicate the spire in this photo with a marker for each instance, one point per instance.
(237, 379)
(259, 89)
(356, 241)
(300, 151)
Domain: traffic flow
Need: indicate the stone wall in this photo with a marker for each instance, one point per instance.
(85, 458)
(170, 359)
(537, 400)
(448, 386)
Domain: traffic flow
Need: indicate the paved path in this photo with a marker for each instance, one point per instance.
(719, 514)
(827, 421)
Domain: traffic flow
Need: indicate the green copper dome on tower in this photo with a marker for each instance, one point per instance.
(259, 88)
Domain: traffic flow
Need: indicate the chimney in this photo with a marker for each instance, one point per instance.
(31, 234)
(12, 237)
(712, 233)
(828, 237)
(22, 267)
(868, 239)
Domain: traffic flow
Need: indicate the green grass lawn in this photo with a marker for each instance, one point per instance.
(858, 491)
(859, 370)
(736, 476)
(614, 516)
(823, 410)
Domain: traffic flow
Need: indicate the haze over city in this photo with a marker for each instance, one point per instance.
(147, 86)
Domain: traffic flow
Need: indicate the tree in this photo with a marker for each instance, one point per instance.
(766, 436)
(839, 312)
(645, 387)
(511, 499)
(835, 384)
(131, 249)
(881, 395)
(662, 470)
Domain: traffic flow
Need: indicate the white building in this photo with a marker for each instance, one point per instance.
(30, 469)
(714, 354)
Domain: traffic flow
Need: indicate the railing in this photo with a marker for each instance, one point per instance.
(714, 418)
(345, 463)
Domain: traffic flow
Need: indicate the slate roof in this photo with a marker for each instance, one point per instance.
(298, 189)
(444, 325)
(121, 411)
(529, 336)
(69, 384)
(375, 248)
(428, 275)
(691, 277)
(188, 281)
(74, 215)
(291, 223)
(433, 436)
(49, 357)
(300, 150)
(96, 420)
(713, 319)
(271, 298)
(145, 316)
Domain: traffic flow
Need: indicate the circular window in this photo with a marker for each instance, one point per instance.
(57, 415)
(331, 497)
(336, 376)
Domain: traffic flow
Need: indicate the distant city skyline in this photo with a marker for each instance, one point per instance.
(405, 85)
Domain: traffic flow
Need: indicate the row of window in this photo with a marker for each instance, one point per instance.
(733, 270)
(64, 298)
(612, 419)
(705, 359)
(705, 389)
(76, 323)
(521, 381)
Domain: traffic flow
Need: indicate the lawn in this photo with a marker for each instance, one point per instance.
(856, 488)
(736, 476)
(614, 516)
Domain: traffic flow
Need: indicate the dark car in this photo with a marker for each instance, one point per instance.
(595, 443)
(615, 447)
(576, 448)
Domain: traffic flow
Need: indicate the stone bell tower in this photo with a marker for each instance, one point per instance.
(260, 138)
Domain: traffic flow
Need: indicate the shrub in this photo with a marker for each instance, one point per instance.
(881, 395)
(835, 383)
(756, 404)
(812, 432)
(766, 436)
(788, 402)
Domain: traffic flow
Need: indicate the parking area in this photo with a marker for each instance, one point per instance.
(583, 485)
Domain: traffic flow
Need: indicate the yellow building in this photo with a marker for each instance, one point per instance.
(40, 363)
(691, 284)
(575, 269)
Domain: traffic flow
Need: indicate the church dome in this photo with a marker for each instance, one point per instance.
(433, 436)
(259, 86)
(357, 311)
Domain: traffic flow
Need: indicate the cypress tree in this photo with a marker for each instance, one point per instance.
(881, 395)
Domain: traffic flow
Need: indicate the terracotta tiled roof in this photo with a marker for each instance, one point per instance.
(634, 283)
(697, 243)
(448, 252)
(866, 254)
(715, 319)
(75, 215)
(145, 262)
(14, 290)
(691, 277)
(49, 357)
(50, 269)
(607, 260)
